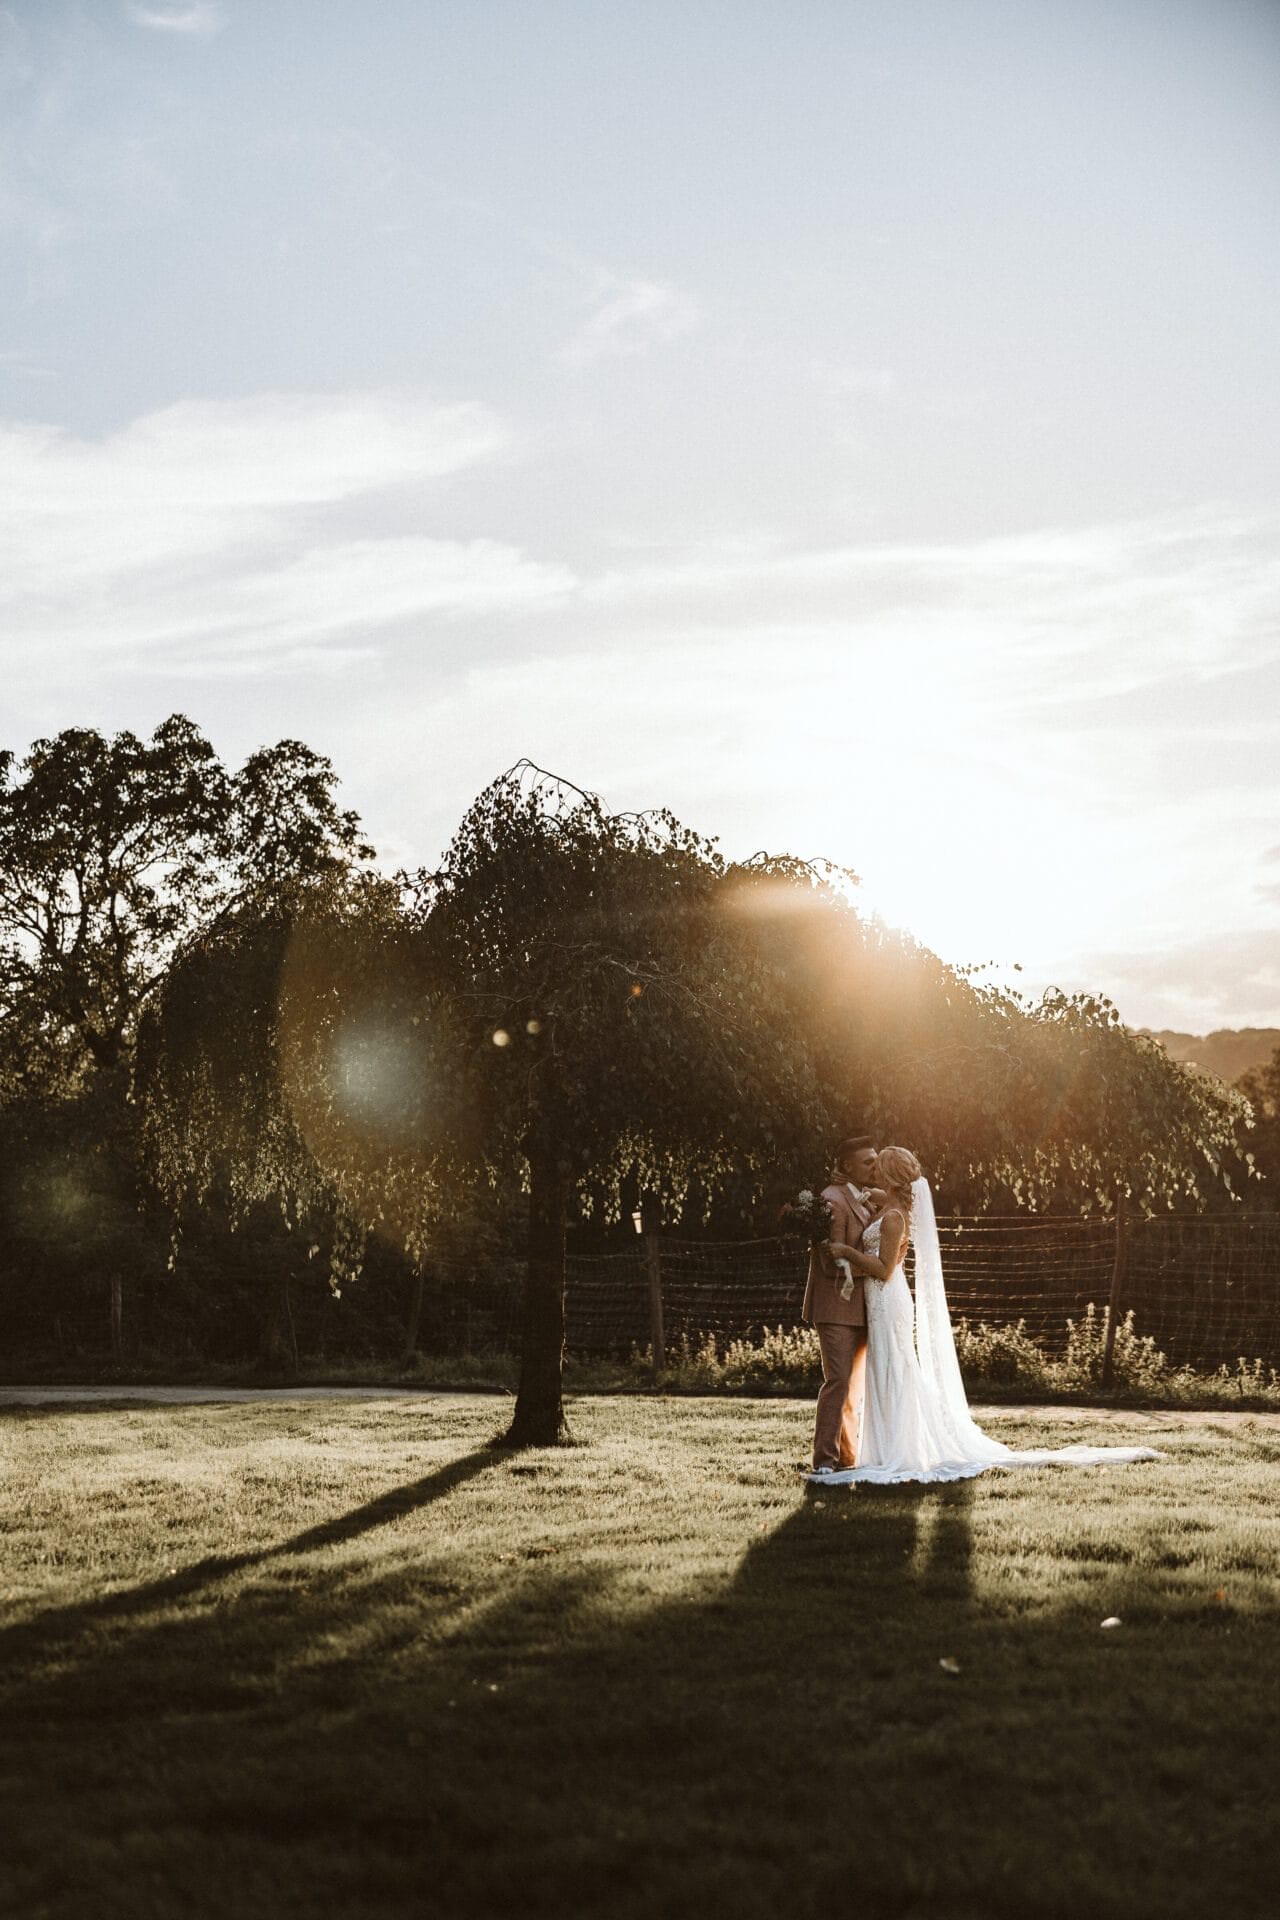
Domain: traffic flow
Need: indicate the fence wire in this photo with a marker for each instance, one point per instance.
(1207, 1289)
(606, 1303)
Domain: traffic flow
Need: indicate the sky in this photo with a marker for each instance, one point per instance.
(852, 424)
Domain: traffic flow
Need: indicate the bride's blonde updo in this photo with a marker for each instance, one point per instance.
(896, 1168)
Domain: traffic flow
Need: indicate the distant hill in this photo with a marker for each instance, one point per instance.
(1229, 1052)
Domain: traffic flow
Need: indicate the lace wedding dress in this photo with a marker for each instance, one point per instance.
(916, 1423)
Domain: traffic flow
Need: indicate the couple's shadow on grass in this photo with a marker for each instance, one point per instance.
(915, 1537)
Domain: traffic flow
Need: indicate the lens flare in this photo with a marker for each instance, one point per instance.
(356, 1054)
(372, 1075)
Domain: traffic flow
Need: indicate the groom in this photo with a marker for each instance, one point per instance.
(837, 1309)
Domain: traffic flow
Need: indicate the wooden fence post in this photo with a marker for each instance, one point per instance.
(414, 1321)
(1117, 1291)
(651, 1221)
(117, 1317)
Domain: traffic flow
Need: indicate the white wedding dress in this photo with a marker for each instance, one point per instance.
(916, 1423)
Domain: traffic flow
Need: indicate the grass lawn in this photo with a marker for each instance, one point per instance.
(341, 1659)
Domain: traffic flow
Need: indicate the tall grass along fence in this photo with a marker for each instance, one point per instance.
(1205, 1291)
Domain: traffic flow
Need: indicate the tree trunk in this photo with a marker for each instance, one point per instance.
(539, 1416)
(117, 1317)
(415, 1316)
(651, 1227)
(278, 1343)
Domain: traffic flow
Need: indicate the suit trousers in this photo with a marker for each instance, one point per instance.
(844, 1366)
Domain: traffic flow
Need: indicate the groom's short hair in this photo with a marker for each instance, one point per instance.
(854, 1144)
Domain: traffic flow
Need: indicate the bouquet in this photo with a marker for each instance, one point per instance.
(808, 1218)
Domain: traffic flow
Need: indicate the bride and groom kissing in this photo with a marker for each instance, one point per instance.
(892, 1406)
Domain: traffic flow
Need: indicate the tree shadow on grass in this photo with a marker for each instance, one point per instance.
(391, 1724)
(540, 1737)
(182, 1584)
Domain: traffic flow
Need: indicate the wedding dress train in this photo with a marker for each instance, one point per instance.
(916, 1423)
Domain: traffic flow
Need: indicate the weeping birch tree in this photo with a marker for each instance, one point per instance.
(574, 997)
(577, 998)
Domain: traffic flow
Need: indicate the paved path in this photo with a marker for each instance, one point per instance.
(1127, 1417)
(199, 1396)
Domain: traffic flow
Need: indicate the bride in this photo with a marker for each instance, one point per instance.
(915, 1419)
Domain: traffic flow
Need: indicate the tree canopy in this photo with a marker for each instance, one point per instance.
(113, 851)
(1259, 1145)
(577, 998)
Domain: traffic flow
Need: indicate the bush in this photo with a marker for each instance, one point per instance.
(1003, 1356)
(1249, 1379)
(1137, 1364)
(782, 1360)
(786, 1360)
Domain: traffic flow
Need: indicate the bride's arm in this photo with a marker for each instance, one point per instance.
(892, 1228)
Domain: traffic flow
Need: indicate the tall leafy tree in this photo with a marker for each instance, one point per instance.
(114, 850)
(1095, 1114)
(619, 1015)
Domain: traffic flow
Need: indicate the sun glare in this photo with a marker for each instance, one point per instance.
(976, 872)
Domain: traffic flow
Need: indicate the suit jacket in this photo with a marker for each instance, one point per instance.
(822, 1299)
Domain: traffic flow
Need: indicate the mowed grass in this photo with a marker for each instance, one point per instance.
(343, 1659)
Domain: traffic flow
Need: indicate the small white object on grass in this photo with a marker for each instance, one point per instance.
(1112, 1620)
(949, 1664)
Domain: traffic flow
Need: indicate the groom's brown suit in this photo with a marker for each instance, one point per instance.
(842, 1334)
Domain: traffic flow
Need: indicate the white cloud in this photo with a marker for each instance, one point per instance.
(203, 476)
(1026, 747)
(200, 18)
(1051, 749)
(1220, 979)
(268, 613)
(1043, 619)
(232, 530)
(630, 318)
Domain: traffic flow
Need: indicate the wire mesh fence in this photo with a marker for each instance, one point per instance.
(607, 1302)
(1207, 1289)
